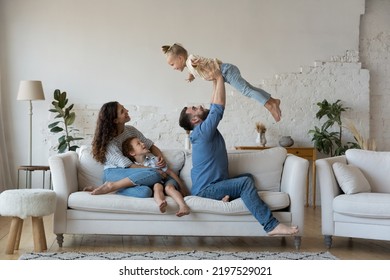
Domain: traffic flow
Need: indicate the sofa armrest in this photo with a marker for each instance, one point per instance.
(294, 183)
(63, 168)
(329, 189)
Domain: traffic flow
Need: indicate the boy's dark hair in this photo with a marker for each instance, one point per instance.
(184, 120)
(127, 148)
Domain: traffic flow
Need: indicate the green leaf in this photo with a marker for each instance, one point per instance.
(53, 124)
(56, 129)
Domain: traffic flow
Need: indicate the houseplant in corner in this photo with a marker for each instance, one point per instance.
(64, 126)
(329, 139)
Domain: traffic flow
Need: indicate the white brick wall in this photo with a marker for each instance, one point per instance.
(339, 78)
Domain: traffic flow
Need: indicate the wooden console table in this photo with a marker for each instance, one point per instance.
(308, 153)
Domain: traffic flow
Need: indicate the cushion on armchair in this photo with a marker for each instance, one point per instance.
(350, 178)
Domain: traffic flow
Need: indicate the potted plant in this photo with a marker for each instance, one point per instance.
(327, 139)
(64, 126)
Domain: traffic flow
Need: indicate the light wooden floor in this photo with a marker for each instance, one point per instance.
(312, 241)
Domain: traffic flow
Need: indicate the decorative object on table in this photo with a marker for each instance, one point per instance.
(261, 129)
(327, 140)
(65, 126)
(365, 144)
(286, 141)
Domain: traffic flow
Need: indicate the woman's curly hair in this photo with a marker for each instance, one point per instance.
(105, 130)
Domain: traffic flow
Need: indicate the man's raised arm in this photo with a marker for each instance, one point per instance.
(219, 94)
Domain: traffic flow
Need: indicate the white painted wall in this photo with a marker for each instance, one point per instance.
(375, 56)
(103, 50)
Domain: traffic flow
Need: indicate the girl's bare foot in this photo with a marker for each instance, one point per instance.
(273, 105)
(226, 198)
(107, 187)
(183, 210)
(282, 229)
(163, 206)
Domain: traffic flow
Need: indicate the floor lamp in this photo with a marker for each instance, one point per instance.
(30, 90)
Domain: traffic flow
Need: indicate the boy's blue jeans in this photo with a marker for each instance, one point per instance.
(143, 178)
(231, 75)
(243, 186)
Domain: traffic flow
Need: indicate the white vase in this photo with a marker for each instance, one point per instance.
(258, 139)
(263, 140)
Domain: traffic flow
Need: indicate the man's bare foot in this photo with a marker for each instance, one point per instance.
(163, 206)
(273, 106)
(184, 210)
(282, 229)
(107, 187)
(88, 189)
(226, 198)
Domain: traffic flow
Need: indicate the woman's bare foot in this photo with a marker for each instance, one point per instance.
(226, 198)
(107, 187)
(163, 206)
(282, 229)
(183, 210)
(273, 105)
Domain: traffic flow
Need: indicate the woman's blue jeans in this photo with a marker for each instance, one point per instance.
(231, 75)
(243, 186)
(143, 178)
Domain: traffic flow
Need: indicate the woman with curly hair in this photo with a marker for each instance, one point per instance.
(121, 175)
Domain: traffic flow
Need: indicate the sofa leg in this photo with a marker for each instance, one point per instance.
(60, 239)
(328, 241)
(297, 242)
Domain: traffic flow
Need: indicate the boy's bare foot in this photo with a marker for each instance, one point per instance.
(163, 206)
(88, 189)
(184, 210)
(226, 198)
(107, 187)
(282, 229)
(273, 105)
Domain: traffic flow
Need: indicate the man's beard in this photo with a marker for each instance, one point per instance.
(205, 113)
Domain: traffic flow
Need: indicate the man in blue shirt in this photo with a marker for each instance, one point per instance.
(209, 174)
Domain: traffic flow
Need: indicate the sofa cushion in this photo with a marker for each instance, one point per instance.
(90, 172)
(115, 203)
(266, 167)
(374, 165)
(363, 205)
(350, 178)
(275, 201)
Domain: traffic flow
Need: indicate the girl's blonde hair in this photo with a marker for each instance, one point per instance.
(176, 49)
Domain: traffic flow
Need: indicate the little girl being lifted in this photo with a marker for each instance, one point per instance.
(178, 58)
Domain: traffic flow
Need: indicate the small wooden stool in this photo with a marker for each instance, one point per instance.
(22, 203)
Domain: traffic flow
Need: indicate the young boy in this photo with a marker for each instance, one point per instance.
(172, 184)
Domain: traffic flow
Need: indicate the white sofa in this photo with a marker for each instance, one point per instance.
(280, 178)
(355, 195)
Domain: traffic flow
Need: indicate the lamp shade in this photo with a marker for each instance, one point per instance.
(30, 90)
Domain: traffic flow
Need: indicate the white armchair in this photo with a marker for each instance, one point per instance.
(362, 213)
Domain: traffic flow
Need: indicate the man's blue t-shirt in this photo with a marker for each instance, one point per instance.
(209, 156)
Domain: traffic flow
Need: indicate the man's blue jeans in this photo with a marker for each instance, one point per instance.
(143, 178)
(231, 75)
(243, 186)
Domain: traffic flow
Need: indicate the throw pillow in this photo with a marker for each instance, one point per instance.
(350, 178)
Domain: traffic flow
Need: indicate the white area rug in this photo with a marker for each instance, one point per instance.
(180, 255)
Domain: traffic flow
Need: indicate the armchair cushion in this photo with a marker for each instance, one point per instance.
(350, 178)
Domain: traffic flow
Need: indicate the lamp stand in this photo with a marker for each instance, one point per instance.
(30, 146)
